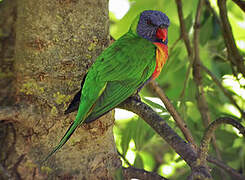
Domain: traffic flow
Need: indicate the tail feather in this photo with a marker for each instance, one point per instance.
(65, 138)
(83, 112)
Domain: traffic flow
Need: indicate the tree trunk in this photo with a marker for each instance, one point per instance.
(56, 42)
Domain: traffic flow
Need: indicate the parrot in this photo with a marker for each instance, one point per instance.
(121, 70)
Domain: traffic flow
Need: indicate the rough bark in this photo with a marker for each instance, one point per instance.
(56, 42)
(7, 42)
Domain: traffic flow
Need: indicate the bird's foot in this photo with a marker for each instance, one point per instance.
(136, 97)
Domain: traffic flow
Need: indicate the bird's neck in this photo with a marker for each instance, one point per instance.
(133, 27)
(161, 58)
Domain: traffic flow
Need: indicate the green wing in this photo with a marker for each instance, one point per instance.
(124, 74)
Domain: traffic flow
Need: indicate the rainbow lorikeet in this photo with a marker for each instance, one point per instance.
(121, 69)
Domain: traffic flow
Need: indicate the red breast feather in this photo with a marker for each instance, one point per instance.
(161, 58)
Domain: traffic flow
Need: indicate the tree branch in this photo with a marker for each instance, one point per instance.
(185, 37)
(240, 3)
(132, 172)
(232, 172)
(179, 121)
(211, 9)
(201, 100)
(161, 127)
(184, 34)
(233, 53)
(202, 155)
(200, 96)
(194, 60)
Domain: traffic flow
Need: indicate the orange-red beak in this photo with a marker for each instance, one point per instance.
(162, 33)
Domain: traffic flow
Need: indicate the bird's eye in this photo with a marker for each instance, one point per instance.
(149, 22)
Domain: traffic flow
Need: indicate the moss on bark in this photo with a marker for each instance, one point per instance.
(56, 42)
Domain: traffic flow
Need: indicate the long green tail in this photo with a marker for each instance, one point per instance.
(67, 135)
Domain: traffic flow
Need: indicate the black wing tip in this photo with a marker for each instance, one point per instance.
(69, 110)
(74, 104)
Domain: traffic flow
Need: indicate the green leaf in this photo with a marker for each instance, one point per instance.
(154, 105)
(206, 31)
(142, 133)
(148, 160)
(188, 22)
(225, 138)
(138, 162)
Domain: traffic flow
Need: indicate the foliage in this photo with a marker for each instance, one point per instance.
(136, 141)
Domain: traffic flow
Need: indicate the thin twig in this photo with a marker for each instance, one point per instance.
(232, 50)
(184, 34)
(132, 172)
(201, 100)
(179, 121)
(185, 37)
(211, 9)
(202, 155)
(218, 153)
(124, 158)
(232, 172)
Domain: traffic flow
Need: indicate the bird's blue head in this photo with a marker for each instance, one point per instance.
(153, 26)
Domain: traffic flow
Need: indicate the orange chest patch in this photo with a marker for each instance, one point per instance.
(161, 58)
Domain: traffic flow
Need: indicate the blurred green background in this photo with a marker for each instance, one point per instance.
(135, 140)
